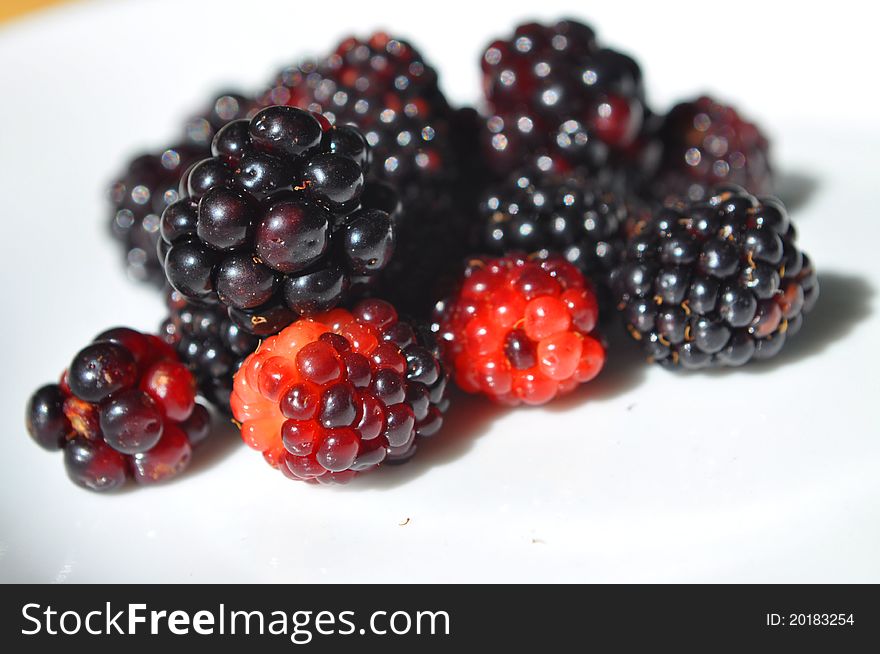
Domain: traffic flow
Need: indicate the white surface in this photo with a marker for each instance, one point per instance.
(764, 474)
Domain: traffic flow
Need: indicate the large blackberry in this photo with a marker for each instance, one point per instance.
(383, 86)
(209, 343)
(575, 215)
(339, 393)
(273, 225)
(554, 91)
(125, 407)
(704, 143)
(715, 283)
(150, 183)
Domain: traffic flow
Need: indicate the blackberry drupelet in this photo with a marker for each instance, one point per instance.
(715, 283)
(150, 183)
(340, 393)
(554, 92)
(209, 343)
(225, 107)
(704, 143)
(383, 86)
(278, 223)
(125, 407)
(575, 215)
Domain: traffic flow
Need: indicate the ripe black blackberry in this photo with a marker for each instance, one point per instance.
(209, 343)
(150, 183)
(704, 143)
(383, 86)
(138, 198)
(715, 283)
(273, 226)
(554, 91)
(575, 215)
(436, 229)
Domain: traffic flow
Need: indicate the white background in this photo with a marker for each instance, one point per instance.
(763, 474)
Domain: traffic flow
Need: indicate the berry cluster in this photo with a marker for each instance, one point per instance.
(126, 407)
(278, 221)
(273, 225)
(521, 330)
(339, 393)
(715, 283)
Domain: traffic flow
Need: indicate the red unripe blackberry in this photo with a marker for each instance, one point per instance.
(339, 393)
(125, 407)
(521, 330)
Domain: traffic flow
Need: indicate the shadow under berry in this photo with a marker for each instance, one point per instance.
(795, 188)
(225, 438)
(844, 301)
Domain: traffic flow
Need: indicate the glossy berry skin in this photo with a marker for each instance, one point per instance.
(125, 405)
(573, 215)
(45, 419)
(520, 330)
(552, 89)
(340, 393)
(704, 143)
(384, 87)
(209, 343)
(715, 283)
(265, 230)
(149, 183)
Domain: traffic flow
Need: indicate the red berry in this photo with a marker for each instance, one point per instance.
(525, 334)
(127, 409)
(358, 388)
(172, 386)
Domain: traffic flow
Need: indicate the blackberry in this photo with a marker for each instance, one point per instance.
(553, 90)
(340, 393)
(436, 229)
(715, 283)
(138, 197)
(150, 183)
(210, 344)
(704, 143)
(273, 226)
(520, 330)
(384, 86)
(575, 215)
(125, 407)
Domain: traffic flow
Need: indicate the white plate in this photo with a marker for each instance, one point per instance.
(763, 474)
